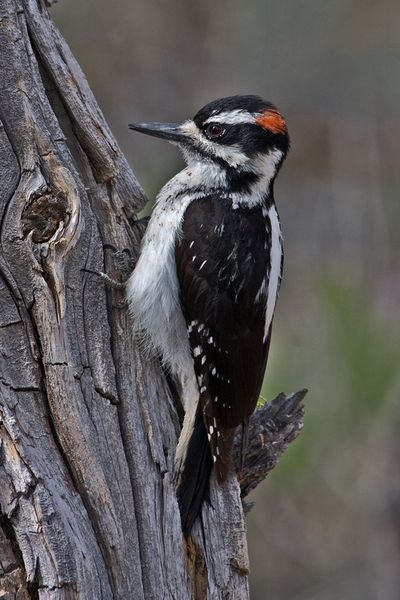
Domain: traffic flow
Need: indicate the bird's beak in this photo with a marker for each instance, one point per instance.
(167, 131)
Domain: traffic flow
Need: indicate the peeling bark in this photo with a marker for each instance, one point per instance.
(88, 428)
(271, 430)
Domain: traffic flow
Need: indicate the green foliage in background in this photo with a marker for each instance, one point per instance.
(364, 348)
(350, 369)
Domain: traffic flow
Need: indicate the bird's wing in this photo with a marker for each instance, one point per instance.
(222, 259)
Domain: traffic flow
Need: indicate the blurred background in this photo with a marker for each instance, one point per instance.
(326, 524)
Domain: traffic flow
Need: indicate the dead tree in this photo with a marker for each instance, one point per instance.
(88, 427)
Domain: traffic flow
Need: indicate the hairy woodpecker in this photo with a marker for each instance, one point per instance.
(204, 289)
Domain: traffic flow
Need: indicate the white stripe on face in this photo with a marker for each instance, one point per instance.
(231, 117)
(230, 154)
(265, 165)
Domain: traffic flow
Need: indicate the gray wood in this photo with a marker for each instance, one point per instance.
(271, 430)
(87, 424)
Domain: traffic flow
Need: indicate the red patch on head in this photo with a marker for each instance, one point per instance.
(272, 121)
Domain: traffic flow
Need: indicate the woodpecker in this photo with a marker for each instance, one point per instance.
(203, 293)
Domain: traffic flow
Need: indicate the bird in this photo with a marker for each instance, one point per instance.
(203, 293)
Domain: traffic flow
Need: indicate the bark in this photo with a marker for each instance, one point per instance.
(88, 427)
(271, 430)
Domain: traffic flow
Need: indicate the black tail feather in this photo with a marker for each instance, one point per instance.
(194, 482)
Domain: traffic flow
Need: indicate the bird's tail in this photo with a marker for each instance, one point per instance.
(193, 464)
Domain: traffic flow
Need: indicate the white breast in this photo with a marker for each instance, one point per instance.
(152, 290)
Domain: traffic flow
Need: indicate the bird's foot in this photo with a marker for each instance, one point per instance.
(116, 285)
(143, 222)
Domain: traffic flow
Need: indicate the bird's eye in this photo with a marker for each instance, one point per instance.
(214, 131)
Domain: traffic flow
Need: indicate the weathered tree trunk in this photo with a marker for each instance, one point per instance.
(88, 428)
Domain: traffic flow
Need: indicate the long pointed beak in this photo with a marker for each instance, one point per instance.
(167, 131)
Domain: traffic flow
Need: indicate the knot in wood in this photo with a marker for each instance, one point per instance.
(43, 216)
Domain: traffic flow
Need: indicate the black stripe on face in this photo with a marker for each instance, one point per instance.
(250, 139)
(253, 139)
(241, 181)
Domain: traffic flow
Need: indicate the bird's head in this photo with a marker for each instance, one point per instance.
(239, 133)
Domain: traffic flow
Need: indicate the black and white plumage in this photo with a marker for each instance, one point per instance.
(204, 290)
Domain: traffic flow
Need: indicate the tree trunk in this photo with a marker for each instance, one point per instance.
(88, 428)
